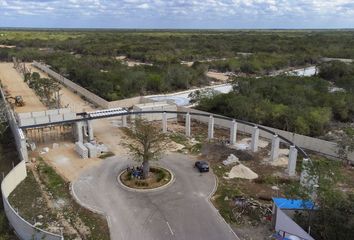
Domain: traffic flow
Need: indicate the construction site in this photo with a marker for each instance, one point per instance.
(62, 127)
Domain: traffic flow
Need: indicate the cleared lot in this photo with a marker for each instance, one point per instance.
(14, 84)
(181, 211)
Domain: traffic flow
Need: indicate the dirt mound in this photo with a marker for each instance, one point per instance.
(241, 171)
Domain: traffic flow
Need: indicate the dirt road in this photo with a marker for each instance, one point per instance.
(15, 86)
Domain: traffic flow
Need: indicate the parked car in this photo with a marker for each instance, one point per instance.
(202, 166)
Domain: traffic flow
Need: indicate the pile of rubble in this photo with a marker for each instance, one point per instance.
(251, 208)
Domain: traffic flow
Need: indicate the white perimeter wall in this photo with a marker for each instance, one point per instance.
(286, 224)
(73, 86)
(91, 97)
(314, 144)
(23, 229)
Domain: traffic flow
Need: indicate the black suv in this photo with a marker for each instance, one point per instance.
(202, 166)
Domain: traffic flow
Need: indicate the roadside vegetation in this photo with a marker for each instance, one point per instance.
(247, 203)
(49, 205)
(333, 217)
(45, 88)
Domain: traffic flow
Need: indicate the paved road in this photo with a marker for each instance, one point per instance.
(181, 211)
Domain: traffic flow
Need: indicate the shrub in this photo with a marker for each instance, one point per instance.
(161, 175)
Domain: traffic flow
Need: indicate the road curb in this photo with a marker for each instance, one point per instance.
(215, 209)
(78, 201)
(147, 190)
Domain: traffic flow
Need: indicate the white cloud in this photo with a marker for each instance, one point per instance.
(180, 10)
(144, 6)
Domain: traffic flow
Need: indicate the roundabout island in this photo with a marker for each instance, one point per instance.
(157, 179)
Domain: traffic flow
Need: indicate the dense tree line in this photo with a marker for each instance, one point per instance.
(261, 63)
(301, 105)
(339, 73)
(113, 80)
(162, 46)
(174, 46)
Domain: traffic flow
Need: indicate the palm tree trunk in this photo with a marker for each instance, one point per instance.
(146, 169)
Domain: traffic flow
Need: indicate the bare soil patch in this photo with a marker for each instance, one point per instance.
(7, 46)
(65, 160)
(218, 76)
(14, 85)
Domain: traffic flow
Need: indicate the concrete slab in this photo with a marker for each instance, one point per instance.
(41, 120)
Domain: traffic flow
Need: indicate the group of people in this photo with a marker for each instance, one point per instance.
(136, 172)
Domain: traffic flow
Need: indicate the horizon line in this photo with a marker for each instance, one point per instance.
(178, 29)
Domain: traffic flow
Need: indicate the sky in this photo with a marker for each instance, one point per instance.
(201, 14)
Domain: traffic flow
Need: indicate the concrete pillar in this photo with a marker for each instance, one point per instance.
(188, 125)
(211, 127)
(292, 160)
(90, 130)
(23, 147)
(233, 132)
(164, 122)
(274, 155)
(124, 121)
(80, 137)
(255, 137)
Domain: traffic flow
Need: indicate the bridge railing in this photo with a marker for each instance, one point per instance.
(83, 116)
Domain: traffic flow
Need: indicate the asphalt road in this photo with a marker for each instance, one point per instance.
(180, 211)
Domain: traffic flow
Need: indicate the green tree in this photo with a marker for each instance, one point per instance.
(148, 143)
(334, 70)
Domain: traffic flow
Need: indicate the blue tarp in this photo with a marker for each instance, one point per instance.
(293, 204)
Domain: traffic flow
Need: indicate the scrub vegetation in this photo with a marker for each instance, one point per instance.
(299, 104)
(93, 59)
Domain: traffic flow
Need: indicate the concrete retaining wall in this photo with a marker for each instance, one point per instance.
(23, 229)
(73, 86)
(91, 97)
(125, 102)
(326, 148)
